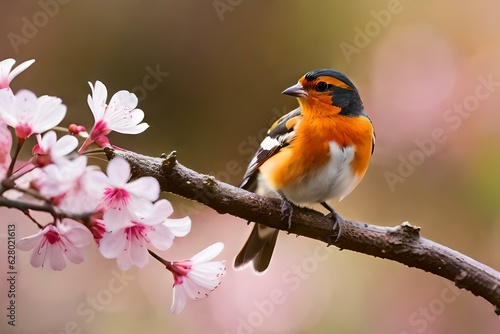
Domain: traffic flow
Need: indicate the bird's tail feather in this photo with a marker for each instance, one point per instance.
(258, 248)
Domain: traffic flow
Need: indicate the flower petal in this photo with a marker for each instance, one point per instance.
(194, 290)
(161, 237)
(38, 256)
(50, 112)
(55, 254)
(5, 67)
(97, 101)
(73, 253)
(180, 227)
(139, 128)
(160, 211)
(27, 243)
(116, 219)
(179, 299)
(123, 100)
(123, 261)
(208, 274)
(118, 171)
(208, 253)
(20, 68)
(77, 234)
(131, 124)
(146, 187)
(112, 244)
(8, 107)
(138, 253)
(64, 146)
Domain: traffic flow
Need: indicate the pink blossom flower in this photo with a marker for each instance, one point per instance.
(127, 243)
(7, 75)
(120, 115)
(50, 150)
(28, 114)
(127, 199)
(72, 185)
(197, 277)
(5, 146)
(54, 241)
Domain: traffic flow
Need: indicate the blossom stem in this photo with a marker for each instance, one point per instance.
(33, 219)
(16, 174)
(97, 150)
(60, 129)
(20, 142)
(176, 270)
(159, 258)
(85, 144)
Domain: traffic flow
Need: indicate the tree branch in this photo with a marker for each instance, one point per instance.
(402, 243)
(43, 207)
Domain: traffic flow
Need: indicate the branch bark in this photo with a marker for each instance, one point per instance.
(402, 243)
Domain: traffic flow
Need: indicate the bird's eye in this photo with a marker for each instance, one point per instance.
(321, 86)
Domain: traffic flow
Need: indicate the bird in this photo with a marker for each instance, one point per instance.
(317, 152)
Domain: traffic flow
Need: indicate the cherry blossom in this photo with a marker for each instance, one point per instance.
(55, 241)
(124, 217)
(197, 277)
(29, 114)
(127, 199)
(7, 74)
(49, 149)
(120, 115)
(128, 243)
(73, 186)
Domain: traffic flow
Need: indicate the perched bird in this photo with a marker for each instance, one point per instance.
(317, 152)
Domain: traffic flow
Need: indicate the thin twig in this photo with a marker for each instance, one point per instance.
(45, 207)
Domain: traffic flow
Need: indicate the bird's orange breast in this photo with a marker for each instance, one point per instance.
(310, 150)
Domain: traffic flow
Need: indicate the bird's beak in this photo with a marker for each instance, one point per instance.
(296, 90)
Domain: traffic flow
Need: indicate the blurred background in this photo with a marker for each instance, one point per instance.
(209, 76)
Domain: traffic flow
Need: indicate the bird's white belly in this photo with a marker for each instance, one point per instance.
(334, 180)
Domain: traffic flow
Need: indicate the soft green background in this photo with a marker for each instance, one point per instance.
(226, 70)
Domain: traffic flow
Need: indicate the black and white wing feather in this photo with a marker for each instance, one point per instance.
(280, 135)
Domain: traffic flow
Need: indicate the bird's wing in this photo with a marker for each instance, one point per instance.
(280, 135)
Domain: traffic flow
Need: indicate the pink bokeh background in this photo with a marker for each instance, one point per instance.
(224, 83)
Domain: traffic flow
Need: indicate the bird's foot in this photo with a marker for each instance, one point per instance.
(286, 212)
(337, 226)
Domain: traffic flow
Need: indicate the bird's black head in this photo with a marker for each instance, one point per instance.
(328, 87)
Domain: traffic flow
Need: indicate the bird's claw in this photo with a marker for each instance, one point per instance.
(286, 212)
(337, 227)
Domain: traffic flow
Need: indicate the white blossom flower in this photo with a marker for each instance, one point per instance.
(128, 243)
(197, 277)
(127, 199)
(49, 149)
(73, 186)
(120, 115)
(29, 114)
(55, 241)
